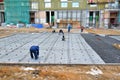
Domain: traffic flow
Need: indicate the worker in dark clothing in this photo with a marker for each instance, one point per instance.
(53, 31)
(34, 50)
(61, 31)
(63, 38)
(82, 28)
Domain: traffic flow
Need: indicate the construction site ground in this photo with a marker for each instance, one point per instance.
(76, 58)
(59, 72)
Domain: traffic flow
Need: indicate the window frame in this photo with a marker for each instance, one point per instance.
(64, 0)
(46, 5)
(63, 5)
(34, 5)
(73, 4)
(47, 0)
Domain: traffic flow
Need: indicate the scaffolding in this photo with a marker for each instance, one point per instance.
(112, 15)
(17, 11)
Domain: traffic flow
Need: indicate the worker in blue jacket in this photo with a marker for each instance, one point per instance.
(34, 50)
(69, 27)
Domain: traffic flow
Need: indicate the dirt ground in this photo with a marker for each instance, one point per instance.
(104, 31)
(9, 31)
(59, 72)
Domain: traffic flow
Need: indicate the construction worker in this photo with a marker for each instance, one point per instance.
(53, 31)
(69, 27)
(34, 50)
(82, 28)
(63, 38)
(61, 31)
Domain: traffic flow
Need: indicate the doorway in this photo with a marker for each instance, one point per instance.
(91, 18)
(32, 17)
(2, 17)
(113, 19)
(50, 17)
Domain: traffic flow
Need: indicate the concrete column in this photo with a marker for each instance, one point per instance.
(94, 19)
(101, 19)
(84, 18)
(81, 18)
(50, 17)
(55, 14)
(0, 18)
(106, 19)
(39, 17)
(45, 17)
(87, 18)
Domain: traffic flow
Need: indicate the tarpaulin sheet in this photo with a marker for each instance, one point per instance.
(37, 25)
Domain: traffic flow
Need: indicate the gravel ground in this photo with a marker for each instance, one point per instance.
(103, 46)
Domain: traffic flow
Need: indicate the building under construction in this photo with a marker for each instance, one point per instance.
(88, 13)
(2, 13)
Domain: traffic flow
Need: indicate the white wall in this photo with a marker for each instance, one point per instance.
(40, 17)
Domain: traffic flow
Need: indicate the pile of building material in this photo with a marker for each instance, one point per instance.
(116, 45)
(64, 23)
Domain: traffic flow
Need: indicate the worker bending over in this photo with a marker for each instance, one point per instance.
(34, 52)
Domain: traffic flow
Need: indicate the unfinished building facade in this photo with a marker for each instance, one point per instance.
(2, 13)
(88, 13)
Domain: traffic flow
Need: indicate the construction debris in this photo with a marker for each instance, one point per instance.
(116, 45)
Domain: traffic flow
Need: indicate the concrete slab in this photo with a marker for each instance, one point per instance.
(74, 50)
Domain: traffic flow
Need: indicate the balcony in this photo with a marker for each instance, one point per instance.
(99, 1)
(112, 6)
